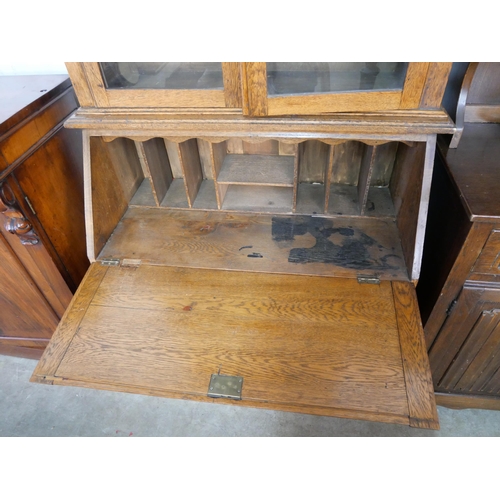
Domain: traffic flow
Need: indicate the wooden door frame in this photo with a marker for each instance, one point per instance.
(423, 88)
(91, 91)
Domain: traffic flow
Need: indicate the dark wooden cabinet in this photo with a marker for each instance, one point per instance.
(459, 288)
(42, 233)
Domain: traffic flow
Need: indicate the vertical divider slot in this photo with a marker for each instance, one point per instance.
(365, 175)
(155, 166)
(218, 153)
(191, 168)
(313, 166)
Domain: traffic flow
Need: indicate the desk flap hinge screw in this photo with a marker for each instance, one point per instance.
(368, 279)
(110, 262)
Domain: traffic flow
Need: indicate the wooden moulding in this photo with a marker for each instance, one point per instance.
(70, 322)
(406, 125)
(420, 391)
(460, 401)
(435, 85)
(80, 84)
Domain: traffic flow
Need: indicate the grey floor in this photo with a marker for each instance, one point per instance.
(28, 409)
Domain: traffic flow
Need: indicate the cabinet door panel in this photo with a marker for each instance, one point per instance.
(24, 311)
(466, 354)
(331, 87)
(162, 84)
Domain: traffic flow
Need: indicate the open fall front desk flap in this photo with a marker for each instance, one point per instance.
(312, 344)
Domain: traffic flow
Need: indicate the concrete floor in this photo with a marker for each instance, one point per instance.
(28, 409)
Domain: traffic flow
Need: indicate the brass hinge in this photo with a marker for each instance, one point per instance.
(124, 262)
(368, 279)
(110, 262)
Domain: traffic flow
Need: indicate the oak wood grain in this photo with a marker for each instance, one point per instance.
(114, 175)
(257, 169)
(199, 320)
(419, 387)
(96, 84)
(231, 75)
(214, 239)
(365, 176)
(204, 150)
(191, 168)
(435, 85)
(155, 159)
(254, 75)
(407, 125)
(405, 187)
(468, 254)
(414, 85)
(80, 84)
(489, 260)
(315, 104)
(69, 323)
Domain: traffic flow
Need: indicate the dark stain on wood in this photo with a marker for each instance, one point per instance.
(352, 250)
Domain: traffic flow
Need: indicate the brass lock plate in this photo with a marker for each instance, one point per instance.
(225, 386)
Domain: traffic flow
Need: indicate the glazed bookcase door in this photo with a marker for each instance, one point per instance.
(158, 85)
(288, 88)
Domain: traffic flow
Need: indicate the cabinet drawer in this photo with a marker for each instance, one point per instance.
(489, 260)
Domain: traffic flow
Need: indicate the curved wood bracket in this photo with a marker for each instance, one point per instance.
(462, 102)
(16, 222)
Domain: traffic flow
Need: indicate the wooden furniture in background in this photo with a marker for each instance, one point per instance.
(459, 288)
(42, 234)
(479, 100)
(280, 251)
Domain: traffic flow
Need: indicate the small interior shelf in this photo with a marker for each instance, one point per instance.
(310, 198)
(265, 199)
(257, 169)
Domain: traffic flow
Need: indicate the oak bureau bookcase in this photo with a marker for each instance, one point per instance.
(255, 232)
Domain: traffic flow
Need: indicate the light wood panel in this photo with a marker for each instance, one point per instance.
(113, 175)
(435, 85)
(333, 103)
(254, 75)
(420, 391)
(288, 244)
(298, 342)
(257, 169)
(414, 85)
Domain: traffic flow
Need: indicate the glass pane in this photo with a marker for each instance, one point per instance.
(328, 77)
(162, 75)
